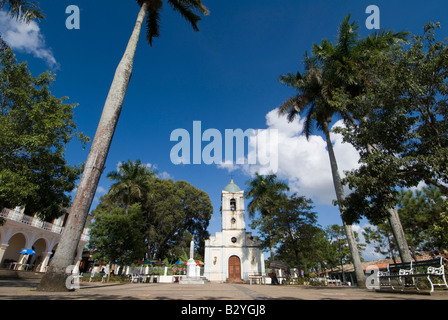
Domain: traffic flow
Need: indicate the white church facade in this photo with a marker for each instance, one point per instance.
(233, 254)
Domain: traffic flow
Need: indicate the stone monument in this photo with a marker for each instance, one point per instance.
(193, 270)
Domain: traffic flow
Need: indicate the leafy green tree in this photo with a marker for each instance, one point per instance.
(381, 237)
(423, 213)
(293, 229)
(54, 279)
(340, 246)
(338, 242)
(265, 192)
(175, 211)
(401, 126)
(341, 63)
(35, 127)
(3, 45)
(172, 212)
(116, 235)
(329, 72)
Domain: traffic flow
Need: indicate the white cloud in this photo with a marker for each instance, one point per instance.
(165, 176)
(101, 190)
(232, 166)
(421, 185)
(305, 163)
(26, 38)
(162, 175)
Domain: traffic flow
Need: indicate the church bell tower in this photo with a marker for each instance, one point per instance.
(232, 202)
(232, 254)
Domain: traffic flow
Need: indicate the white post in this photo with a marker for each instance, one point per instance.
(77, 264)
(45, 262)
(191, 264)
(3, 248)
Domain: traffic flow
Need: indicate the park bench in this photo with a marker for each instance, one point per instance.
(335, 282)
(408, 274)
(135, 278)
(256, 277)
(78, 276)
(103, 277)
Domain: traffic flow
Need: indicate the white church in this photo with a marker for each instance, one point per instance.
(233, 254)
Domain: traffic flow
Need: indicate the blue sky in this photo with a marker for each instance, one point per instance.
(225, 76)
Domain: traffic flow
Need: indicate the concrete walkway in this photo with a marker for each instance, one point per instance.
(26, 290)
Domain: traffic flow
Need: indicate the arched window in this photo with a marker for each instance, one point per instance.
(232, 204)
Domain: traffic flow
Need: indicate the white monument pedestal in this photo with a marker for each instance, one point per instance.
(191, 269)
(193, 272)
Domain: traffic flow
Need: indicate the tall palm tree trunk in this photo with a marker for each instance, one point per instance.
(360, 276)
(54, 279)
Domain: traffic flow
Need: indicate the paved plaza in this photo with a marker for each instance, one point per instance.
(211, 300)
(26, 290)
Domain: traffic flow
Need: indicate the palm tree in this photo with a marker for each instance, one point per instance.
(265, 192)
(333, 67)
(340, 62)
(22, 10)
(314, 101)
(54, 279)
(131, 184)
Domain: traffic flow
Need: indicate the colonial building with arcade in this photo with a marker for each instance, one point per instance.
(20, 232)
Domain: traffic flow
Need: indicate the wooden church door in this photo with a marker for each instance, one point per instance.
(234, 269)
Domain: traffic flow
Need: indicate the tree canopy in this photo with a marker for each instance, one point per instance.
(401, 127)
(423, 214)
(116, 236)
(169, 213)
(35, 127)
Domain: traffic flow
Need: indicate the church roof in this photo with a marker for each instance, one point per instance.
(231, 187)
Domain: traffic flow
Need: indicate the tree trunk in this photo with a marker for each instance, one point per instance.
(391, 249)
(342, 272)
(399, 236)
(54, 279)
(271, 247)
(360, 276)
(395, 224)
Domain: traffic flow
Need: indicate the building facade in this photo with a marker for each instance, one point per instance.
(233, 254)
(20, 231)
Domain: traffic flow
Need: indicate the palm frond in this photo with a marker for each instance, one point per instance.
(153, 20)
(347, 35)
(290, 79)
(308, 122)
(23, 10)
(293, 106)
(185, 10)
(191, 5)
(264, 190)
(381, 39)
(188, 9)
(323, 52)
